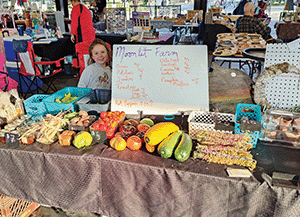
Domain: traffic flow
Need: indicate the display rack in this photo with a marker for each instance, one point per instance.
(282, 91)
(280, 53)
(115, 19)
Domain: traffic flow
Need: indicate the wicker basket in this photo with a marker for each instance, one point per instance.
(202, 120)
(11, 207)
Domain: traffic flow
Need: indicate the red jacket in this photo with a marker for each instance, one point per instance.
(86, 23)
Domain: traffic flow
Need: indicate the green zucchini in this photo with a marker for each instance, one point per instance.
(168, 145)
(184, 148)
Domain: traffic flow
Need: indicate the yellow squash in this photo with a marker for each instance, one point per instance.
(158, 132)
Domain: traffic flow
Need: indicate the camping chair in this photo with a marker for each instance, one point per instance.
(82, 56)
(32, 71)
(6, 83)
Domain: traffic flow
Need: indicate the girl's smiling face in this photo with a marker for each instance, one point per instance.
(100, 55)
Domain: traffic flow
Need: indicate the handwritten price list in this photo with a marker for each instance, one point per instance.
(147, 77)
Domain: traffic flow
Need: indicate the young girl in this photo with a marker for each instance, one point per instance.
(97, 75)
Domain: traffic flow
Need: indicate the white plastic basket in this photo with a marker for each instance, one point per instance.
(203, 120)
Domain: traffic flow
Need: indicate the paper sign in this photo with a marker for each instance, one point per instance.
(239, 173)
(159, 79)
(12, 139)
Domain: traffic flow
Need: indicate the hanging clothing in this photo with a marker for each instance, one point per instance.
(81, 18)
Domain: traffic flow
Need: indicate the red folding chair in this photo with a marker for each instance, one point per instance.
(82, 56)
(31, 71)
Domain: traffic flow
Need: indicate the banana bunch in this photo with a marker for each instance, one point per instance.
(67, 98)
(169, 140)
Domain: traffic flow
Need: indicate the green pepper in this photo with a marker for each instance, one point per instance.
(98, 136)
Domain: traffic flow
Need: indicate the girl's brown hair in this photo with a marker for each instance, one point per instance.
(91, 47)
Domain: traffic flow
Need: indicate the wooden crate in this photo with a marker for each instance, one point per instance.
(12, 207)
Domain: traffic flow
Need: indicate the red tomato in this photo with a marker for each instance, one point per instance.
(101, 122)
(118, 143)
(143, 128)
(134, 143)
(141, 136)
(103, 114)
(119, 134)
(127, 129)
(122, 115)
(103, 128)
(114, 124)
(96, 126)
(110, 133)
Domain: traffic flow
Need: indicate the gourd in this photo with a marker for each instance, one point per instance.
(82, 139)
(184, 148)
(159, 132)
(168, 145)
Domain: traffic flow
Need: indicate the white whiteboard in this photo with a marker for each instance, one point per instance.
(159, 79)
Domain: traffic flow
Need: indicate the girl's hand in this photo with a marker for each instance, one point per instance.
(73, 38)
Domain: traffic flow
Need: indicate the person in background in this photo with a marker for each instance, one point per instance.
(239, 10)
(250, 24)
(97, 75)
(101, 5)
(82, 28)
(260, 10)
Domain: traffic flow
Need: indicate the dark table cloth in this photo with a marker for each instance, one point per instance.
(111, 38)
(137, 183)
(288, 31)
(55, 50)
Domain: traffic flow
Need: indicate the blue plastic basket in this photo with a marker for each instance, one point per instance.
(253, 113)
(34, 105)
(55, 107)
